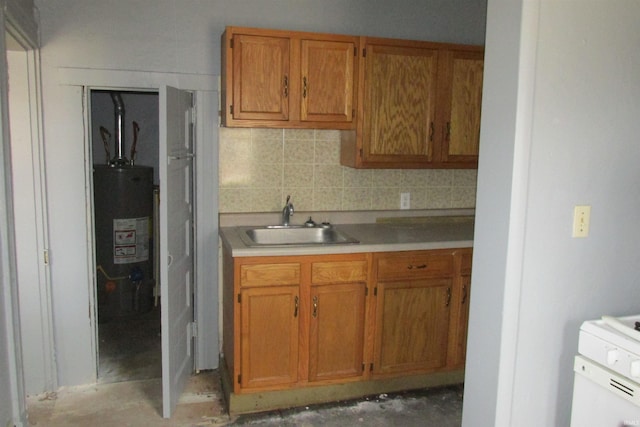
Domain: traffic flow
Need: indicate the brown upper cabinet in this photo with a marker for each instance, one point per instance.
(419, 106)
(287, 79)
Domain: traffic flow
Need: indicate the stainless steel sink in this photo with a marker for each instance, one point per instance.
(294, 235)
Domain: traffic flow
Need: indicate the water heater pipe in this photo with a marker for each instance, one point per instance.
(118, 158)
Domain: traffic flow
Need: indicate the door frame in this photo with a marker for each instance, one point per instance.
(205, 89)
(18, 21)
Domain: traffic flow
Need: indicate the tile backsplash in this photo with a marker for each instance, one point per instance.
(260, 167)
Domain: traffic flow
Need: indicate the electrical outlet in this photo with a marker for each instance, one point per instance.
(405, 200)
(581, 218)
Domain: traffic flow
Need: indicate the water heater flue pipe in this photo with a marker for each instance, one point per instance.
(118, 159)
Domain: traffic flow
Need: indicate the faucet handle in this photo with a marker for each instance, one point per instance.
(288, 198)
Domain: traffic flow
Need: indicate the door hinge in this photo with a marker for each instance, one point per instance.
(239, 298)
(46, 257)
(194, 329)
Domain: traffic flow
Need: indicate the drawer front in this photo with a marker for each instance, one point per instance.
(269, 274)
(338, 272)
(414, 265)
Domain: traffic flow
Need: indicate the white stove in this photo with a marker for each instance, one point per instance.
(607, 373)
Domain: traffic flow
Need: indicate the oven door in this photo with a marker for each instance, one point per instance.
(602, 397)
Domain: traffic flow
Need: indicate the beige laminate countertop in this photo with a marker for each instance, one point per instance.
(396, 235)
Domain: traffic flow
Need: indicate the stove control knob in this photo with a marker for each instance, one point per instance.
(613, 356)
(635, 369)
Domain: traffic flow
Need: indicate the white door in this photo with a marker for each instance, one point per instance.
(176, 243)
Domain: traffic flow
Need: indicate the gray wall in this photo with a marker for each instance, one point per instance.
(181, 37)
(560, 128)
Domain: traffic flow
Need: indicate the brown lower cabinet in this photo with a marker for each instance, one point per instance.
(294, 322)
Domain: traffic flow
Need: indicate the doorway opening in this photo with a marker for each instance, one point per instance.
(124, 137)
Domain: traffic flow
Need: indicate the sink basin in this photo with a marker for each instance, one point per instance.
(293, 235)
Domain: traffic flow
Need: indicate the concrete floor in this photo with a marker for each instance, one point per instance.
(138, 403)
(129, 393)
(130, 403)
(130, 348)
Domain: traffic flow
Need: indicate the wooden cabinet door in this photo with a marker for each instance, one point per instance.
(337, 319)
(460, 337)
(412, 325)
(336, 336)
(399, 104)
(327, 80)
(460, 308)
(461, 106)
(260, 77)
(269, 336)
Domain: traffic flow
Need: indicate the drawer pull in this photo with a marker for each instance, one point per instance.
(421, 266)
(448, 297)
(295, 309)
(464, 294)
(315, 306)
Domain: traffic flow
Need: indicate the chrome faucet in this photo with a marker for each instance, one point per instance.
(287, 211)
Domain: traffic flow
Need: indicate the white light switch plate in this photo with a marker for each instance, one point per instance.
(405, 200)
(581, 218)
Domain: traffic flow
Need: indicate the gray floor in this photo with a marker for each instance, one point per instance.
(138, 404)
(130, 348)
(128, 393)
(438, 407)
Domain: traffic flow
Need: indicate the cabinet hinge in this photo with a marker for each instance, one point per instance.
(46, 257)
(239, 298)
(239, 379)
(371, 367)
(355, 51)
(363, 367)
(364, 52)
(231, 43)
(194, 329)
(375, 291)
(366, 292)
(231, 109)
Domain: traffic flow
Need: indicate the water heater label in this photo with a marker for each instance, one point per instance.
(130, 240)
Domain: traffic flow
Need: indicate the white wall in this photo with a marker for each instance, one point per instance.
(172, 36)
(15, 17)
(560, 128)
